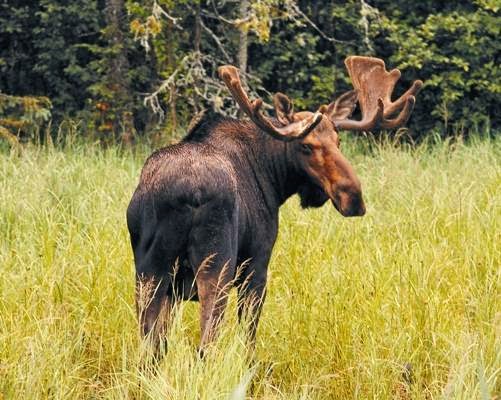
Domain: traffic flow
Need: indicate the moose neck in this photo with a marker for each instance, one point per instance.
(265, 166)
(274, 168)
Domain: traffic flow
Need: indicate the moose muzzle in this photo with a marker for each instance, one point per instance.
(349, 203)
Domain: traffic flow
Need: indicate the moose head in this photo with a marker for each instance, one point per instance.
(314, 135)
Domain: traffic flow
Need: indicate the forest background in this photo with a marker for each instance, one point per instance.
(116, 70)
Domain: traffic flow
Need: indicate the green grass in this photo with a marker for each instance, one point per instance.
(351, 302)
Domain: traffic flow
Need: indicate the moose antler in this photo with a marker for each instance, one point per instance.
(374, 86)
(292, 131)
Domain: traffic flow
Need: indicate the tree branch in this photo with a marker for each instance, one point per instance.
(295, 8)
(234, 22)
(158, 11)
(216, 39)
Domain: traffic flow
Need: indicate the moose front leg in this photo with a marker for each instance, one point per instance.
(252, 293)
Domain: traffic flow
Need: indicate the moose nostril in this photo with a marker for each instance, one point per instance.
(353, 205)
(361, 210)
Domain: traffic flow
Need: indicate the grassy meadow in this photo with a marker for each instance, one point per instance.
(404, 303)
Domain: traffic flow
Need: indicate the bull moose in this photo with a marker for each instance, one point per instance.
(210, 203)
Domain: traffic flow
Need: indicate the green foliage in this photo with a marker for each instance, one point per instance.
(60, 59)
(457, 54)
(16, 48)
(303, 64)
(454, 48)
(68, 51)
(23, 116)
(40, 51)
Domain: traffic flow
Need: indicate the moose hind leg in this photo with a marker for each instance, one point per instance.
(212, 254)
(153, 307)
(155, 263)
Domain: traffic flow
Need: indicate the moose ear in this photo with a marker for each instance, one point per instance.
(343, 107)
(283, 108)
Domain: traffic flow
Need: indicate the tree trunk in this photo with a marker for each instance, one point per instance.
(243, 43)
(173, 110)
(198, 24)
(119, 66)
(243, 46)
(197, 39)
(170, 67)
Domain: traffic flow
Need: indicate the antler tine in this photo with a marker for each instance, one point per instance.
(403, 117)
(375, 86)
(293, 131)
(401, 101)
(367, 123)
(229, 74)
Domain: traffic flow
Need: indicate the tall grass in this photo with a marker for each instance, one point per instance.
(401, 304)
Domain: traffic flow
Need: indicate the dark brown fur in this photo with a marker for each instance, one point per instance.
(209, 203)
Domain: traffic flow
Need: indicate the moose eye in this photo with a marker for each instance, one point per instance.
(306, 148)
